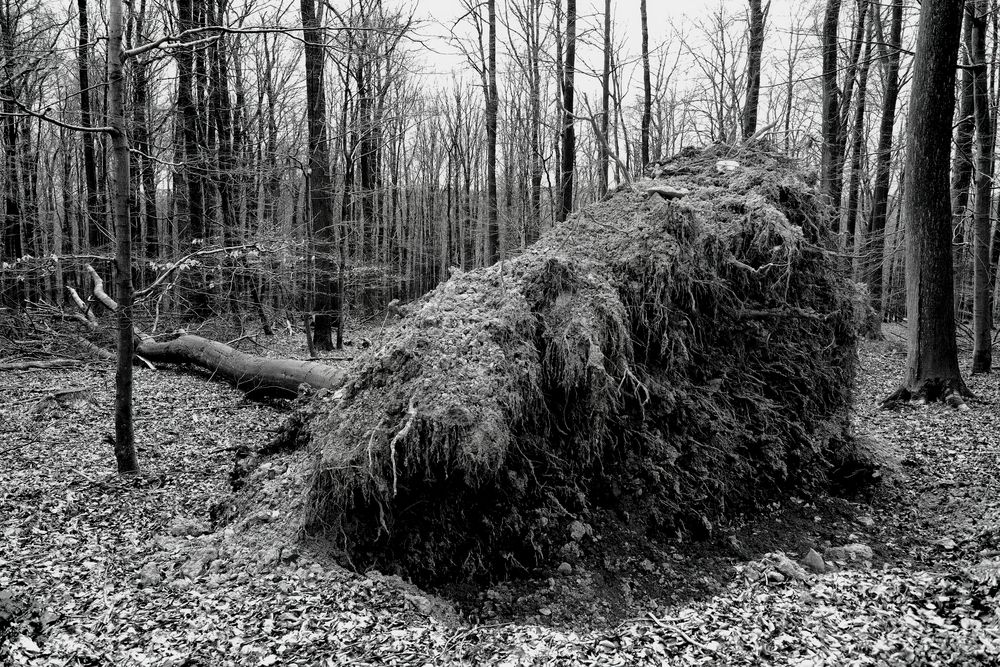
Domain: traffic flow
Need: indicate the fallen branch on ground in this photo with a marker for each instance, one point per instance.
(35, 363)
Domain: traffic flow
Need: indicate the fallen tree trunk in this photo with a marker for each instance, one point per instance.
(257, 375)
(662, 361)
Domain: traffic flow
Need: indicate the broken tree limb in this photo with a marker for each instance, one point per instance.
(99, 292)
(110, 303)
(48, 363)
(87, 316)
(260, 375)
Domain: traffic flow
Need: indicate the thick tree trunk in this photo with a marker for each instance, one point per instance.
(320, 188)
(982, 313)
(932, 371)
(758, 15)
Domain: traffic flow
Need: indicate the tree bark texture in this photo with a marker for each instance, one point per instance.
(320, 188)
(758, 15)
(982, 315)
(604, 158)
(124, 431)
(647, 94)
(883, 157)
(965, 127)
(568, 129)
(492, 102)
(255, 375)
(97, 234)
(832, 157)
(932, 371)
(858, 144)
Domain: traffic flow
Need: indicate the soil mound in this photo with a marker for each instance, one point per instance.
(684, 349)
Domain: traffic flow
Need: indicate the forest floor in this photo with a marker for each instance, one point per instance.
(96, 569)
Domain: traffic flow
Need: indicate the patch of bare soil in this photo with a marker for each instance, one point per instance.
(171, 568)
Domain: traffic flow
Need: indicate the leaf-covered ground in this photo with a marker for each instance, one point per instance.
(101, 570)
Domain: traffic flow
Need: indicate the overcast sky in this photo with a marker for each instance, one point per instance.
(441, 59)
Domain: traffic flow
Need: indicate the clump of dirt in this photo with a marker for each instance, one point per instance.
(667, 362)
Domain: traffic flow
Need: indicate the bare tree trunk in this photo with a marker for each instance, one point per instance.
(124, 432)
(320, 190)
(535, 54)
(189, 186)
(140, 132)
(758, 15)
(604, 158)
(965, 126)
(222, 119)
(832, 141)
(96, 234)
(858, 145)
(883, 158)
(492, 224)
(962, 166)
(932, 371)
(982, 313)
(647, 95)
(568, 130)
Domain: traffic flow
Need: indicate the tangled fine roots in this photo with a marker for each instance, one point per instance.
(668, 360)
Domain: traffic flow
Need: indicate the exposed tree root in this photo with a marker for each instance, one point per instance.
(666, 361)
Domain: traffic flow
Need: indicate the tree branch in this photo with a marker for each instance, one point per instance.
(43, 115)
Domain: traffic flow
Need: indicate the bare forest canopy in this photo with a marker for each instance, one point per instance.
(442, 138)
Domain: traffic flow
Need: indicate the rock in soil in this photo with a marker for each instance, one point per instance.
(814, 562)
(849, 553)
